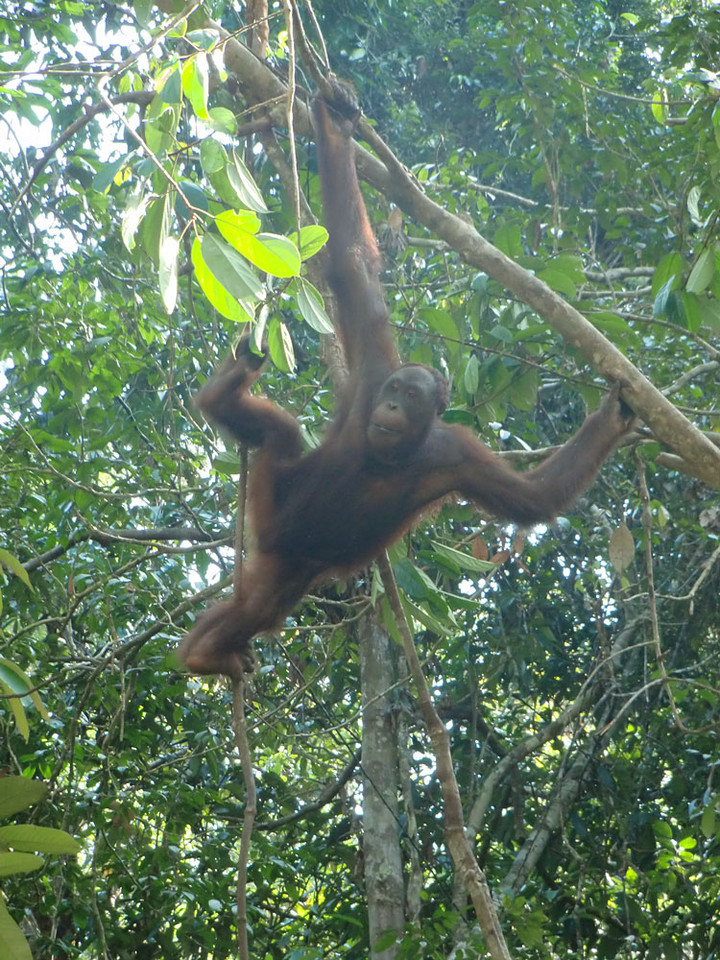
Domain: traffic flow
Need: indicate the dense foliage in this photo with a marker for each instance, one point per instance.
(579, 680)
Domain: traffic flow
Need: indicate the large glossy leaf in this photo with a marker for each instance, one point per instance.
(30, 837)
(15, 946)
(17, 793)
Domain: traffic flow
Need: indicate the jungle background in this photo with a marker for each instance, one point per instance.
(148, 209)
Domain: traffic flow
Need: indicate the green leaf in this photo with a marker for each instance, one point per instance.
(13, 564)
(194, 195)
(702, 272)
(659, 107)
(223, 120)
(662, 299)
(502, 333)
(217, 294)
(269, 252)
(708, 821)
(462, 560)
(440, 321)
(15, 946)
(414, 611)
(161, 125)
(670, 268)
(227, 463)
(18, 793)
(105, 177)
(558, 279)
(133, 216)
(230, 269)
(143, 9)
(311, 239)
(30, 838)
(275, 255)
(480, 283)
(244, 186)
(385, 941)
(524, 389)
(11, 863)
(471, 376)
(311, 306)
(168, 272)
(281, 346)
(213, 156)
(690, 305)
(508, 238)
(233, 224)
(19, 682)
(710, 314)
(170, 85)
(412, 580)
(18, 711)
(611, 323)
(693, 205)
(154, 227)
(195, 83)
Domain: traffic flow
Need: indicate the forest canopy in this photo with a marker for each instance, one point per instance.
(541, 781)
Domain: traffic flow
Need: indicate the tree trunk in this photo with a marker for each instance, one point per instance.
(382, 854)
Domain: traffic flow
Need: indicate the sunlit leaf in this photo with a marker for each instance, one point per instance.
(17, 709)
(311, 239)
(133, 216)
(230, 269)
(10, 561)
(274, 254)
(168, 272)
(222, 119)
(195, 83)
(19, 682)
(223, 301)
(464, 561)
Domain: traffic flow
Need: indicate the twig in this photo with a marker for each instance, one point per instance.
(107, 537)
(328, 793)
(140, 97)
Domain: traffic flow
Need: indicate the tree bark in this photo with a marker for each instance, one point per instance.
(383, 857)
